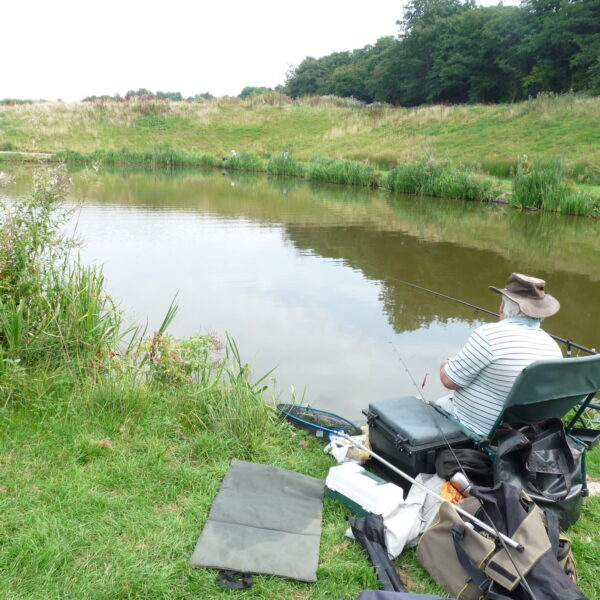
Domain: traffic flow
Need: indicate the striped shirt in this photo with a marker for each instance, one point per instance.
(489, 363)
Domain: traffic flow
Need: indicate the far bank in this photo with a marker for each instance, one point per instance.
(481, 148)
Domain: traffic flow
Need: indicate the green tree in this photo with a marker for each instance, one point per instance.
(563, 40)
(249, 91)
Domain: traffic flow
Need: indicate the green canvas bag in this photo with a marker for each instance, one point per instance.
(471, 564)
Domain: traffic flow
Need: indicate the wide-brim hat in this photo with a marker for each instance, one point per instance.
(530, 294)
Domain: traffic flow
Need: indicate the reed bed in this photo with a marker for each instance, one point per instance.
(158, 157)
(431, 178)
(284, 164)
(246, 161)
(545, 186)
(339, 171)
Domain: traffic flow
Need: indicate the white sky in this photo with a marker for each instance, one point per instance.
(70, 49)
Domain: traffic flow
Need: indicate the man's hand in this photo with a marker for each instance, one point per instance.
(446, 381)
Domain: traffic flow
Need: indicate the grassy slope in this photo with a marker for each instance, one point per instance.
(495, 136)
(104, 497)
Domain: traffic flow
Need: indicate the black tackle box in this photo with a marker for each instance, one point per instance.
(408, 433)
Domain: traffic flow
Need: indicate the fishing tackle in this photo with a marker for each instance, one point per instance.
(340, 433)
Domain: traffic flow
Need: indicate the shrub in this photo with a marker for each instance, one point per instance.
(174, 362)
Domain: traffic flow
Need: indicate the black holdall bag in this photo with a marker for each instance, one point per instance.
(475, 464)
(542, 460)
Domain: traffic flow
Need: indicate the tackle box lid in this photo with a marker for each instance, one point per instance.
(356, 487)
(413, 420)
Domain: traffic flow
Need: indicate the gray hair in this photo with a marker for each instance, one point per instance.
(512, 309)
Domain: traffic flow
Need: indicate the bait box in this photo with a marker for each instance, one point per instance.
(362, 492)
(408, 433)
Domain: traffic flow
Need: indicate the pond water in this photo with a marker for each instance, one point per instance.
(304, 277)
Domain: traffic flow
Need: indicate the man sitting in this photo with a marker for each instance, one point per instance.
(483, 372)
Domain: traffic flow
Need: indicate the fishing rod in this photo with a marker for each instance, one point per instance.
(340, 433)
(569, 343)
(503, 542)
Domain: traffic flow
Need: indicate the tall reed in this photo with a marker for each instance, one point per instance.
(156, 157)
(53, 311)
(545, 186)
(431, 178)
(245, 161)
(283, 164)
(339, 171)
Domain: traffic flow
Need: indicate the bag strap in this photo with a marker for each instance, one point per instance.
(478, 577)
(234, 580)
(553, 531)
(510, 441)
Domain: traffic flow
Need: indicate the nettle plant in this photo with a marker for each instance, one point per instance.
(174, 362)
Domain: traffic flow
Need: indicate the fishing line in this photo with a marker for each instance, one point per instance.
(569, 343)
(434, 414)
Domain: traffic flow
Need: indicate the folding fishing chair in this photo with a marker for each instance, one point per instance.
(547, 388)
(405, 432)
(544, 389)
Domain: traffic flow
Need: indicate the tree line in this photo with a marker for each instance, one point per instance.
(458, 52)
(145, 93)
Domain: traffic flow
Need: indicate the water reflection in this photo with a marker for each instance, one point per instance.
(303, 275)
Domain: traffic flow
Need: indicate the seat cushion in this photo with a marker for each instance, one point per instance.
(415, 420)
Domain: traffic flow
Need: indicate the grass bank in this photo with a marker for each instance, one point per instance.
(104, 492)
(336, 140)
(113, 446)
(493, 137)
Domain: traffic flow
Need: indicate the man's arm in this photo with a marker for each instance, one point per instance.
(446, 381)
(458, 373)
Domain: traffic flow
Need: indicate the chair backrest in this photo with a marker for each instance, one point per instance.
(550, 388)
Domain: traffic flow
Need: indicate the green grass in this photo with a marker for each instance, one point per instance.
(246, 161)
(156, 157)
(103, 496)
(283, 164)
(111, 455)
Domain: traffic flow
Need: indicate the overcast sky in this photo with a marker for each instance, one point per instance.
(70, 49)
